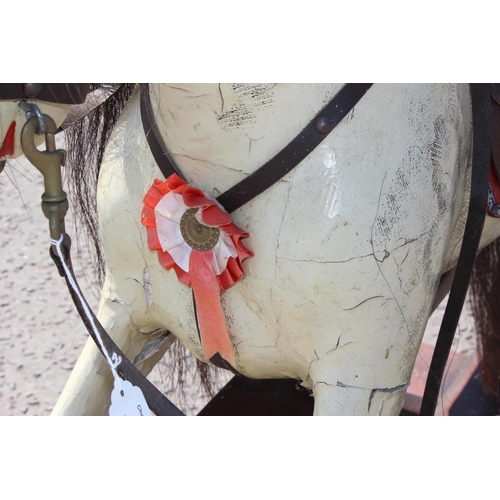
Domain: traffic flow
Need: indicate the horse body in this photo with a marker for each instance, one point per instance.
(349, 246)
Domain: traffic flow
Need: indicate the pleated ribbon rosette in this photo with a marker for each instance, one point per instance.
(197, 238)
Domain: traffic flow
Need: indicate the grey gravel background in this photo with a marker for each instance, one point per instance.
(41, 335)
(40, 331)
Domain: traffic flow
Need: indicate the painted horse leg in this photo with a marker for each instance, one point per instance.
(335, 400)
(88, 390)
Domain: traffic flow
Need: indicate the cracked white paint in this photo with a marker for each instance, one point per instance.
(348, 247)
(148, 289)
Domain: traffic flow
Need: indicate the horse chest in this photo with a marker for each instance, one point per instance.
(346, 247)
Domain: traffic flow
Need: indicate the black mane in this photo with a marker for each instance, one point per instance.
(85, 144)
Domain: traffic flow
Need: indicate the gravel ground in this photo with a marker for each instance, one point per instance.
(41, 335)
(40, 331)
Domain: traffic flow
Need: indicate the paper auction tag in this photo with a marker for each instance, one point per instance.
(128, 400)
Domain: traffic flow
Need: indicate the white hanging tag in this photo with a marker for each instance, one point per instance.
(128, 400)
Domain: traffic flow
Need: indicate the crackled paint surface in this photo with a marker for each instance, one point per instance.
(349, 246)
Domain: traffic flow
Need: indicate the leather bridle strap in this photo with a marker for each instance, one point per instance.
(157, 402)
(278, 166)
(155, 140)
(297, 150)
(475, 220)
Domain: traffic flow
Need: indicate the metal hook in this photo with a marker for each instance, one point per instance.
(31, 109)
(49, 162)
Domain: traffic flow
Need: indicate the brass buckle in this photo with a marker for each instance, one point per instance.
(49, 162)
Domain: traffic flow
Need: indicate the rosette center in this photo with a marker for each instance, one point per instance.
(197, 235)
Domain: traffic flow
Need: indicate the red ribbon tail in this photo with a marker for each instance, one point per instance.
(7, 147)
(213, 329)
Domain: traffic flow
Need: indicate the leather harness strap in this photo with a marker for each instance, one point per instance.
(495, 129)
(278, 166)
(157, 402)
(297, 150)
(155, 140)
(480, 95)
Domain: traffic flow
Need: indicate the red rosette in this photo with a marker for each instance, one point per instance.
(209, 271)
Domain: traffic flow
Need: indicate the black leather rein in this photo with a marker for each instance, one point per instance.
(481, 153)
(157, 402)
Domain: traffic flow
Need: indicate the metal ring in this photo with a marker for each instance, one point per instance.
(31, 109)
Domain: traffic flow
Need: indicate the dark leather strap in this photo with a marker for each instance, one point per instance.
(292, 154)
(495, 129)
(276, 168)
(63, 93)
(157, 402)
(475, 220)
(155, 140)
